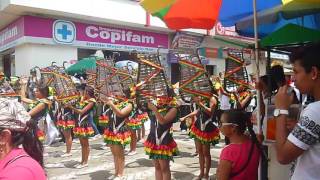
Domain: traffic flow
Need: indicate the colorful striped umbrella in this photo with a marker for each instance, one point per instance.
(203, 14)
(296, 8)
(301, 12)
(182, 14)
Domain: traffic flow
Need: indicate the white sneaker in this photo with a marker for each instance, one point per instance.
(118, 178)
(111, 177)
(132, 153)
(66, 155)
(80, 166)
(105, 148)
(98, 136)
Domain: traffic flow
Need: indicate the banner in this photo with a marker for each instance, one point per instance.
(32, 29)
(186, 41)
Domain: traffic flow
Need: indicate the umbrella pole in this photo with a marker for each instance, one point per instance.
(256, 52)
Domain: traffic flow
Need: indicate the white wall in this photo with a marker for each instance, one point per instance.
(29, 55)
(121, 12)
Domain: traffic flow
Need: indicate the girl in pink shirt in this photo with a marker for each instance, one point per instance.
(240, 159)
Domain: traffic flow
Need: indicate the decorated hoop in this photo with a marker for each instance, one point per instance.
(194, 80)
(152, 84)
(108, 83)
(65, 89)
(235, 71)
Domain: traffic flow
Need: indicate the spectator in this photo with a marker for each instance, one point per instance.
(240, 159)
(15, 130)
(303, 142)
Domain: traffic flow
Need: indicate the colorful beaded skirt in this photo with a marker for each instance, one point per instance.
(41, 135)
(162, 151)
(66, 124)
(103, 120)
(205, 137)
(83, 132)
(143, 117)
(134, 123)
(122, 137)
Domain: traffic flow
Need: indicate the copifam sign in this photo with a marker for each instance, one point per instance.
(56, 31)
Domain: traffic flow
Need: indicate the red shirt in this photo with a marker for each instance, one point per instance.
(238, 154)
(25, 168)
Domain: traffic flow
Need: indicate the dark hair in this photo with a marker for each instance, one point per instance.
(243, 120)
(127, 93)
(307, 56)
(277, 75)
(44, 90)
(272, 84)
(29, 141)
(89, 91)
(238, 117)
(171, 92)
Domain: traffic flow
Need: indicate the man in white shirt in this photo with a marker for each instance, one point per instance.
(303, 142)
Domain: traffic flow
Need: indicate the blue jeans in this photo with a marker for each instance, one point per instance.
(91, 122)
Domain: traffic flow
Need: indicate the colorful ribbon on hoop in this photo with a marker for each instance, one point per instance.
(113, 72)
(67, 92)
(161, 99)
(228, 75)
(200, 72)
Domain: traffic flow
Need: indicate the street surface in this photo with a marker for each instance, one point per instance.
(137, 167)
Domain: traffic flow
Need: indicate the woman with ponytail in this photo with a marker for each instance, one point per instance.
(16, 129)
(240, 159)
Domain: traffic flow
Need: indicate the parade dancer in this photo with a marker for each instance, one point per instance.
(135, 124)
(204, 132)
(41, 108)
(66, 122)
(143, 116)
(116, 134)
(83, 130)
(160, 145)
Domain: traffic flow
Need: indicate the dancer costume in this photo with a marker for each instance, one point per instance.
(133, 122)
(109, 85)
(136, 122)
(65, 119)
(195, 82)
(40, 118)
(152, 86)
(160, 143)
(203, 129)
(117, 132)
(65, 94)
(83, 128)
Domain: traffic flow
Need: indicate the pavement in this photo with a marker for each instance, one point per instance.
(137, 167)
